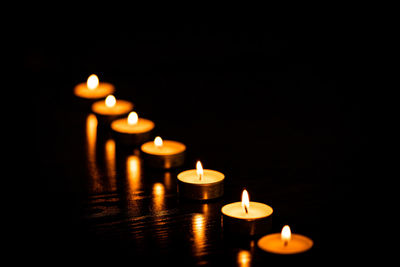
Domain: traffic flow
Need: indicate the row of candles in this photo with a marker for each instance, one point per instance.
(248, 218)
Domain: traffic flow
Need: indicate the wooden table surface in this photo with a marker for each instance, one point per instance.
(289, 137)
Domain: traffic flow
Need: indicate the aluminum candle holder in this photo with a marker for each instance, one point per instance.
(164, 154)
(132, 130)
(201, 184)
(246, 218)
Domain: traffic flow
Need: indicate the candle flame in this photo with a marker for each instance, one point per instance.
(158, 142)
(133, 118)
(110, 101)
(92, 82)
(245, 201)
(286, 234)
(199, 170)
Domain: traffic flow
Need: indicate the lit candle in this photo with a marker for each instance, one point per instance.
(285, 242)
(93, 89)
(163, 153)
(111, 108)
(247, 218)
(201, 184)
(132, 130)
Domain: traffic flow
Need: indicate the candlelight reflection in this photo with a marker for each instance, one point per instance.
(199, 229)
(244, 258)
(133, 172)
(91, 136)
(133, 183)
(110, 164)
(158, 197)
(206, 209)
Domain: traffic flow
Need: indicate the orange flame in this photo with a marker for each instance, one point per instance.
(199, 170)
(286, 234)
(245, 201)
(92, 82)
(133, 118)
(158, 142)
(110, 101)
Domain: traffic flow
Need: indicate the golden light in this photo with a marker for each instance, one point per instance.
(91, 136)
(133, 118)
(133, 169)
(158, 141)
(245, 201)
(199, 233)
(91, 130)
(110, 157)
(110, 101)
(92, 82)
(286, 234)
(244, 258)
(158, 196)
(199, 170)
(158, 189)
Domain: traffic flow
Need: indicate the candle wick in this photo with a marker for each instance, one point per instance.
(285, 243)
(245, 209)
(200, 176)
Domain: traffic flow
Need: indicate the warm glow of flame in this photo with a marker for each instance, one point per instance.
(133, 118)
(158, 189)
(286, 234)
(133, 170)
(158, 141)
(158, 197)
(110, 157)
(199, 169)
(245, 201)
(244, 258)
(199, 224)
(95, 184)
(110, 101)
(92, 82)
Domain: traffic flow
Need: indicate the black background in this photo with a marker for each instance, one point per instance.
(274, 106)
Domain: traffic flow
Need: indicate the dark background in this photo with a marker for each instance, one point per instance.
(274, 106)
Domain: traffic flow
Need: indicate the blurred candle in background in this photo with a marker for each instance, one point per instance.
(132, 130)
(93, 89)
(111, 108)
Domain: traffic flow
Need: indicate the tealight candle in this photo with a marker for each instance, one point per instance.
(132, 130)
(201, 184)
(93, 89)
(163, 153)
(285, 242)
(247, 218)
(111, 108)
